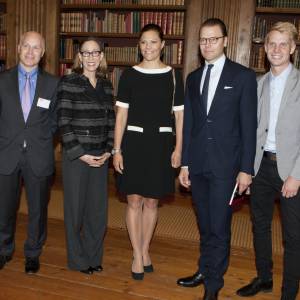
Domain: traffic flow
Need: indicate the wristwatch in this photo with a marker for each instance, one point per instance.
(114, 151)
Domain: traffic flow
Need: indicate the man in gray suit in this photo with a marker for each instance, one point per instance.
(27, 125)
(277, 164)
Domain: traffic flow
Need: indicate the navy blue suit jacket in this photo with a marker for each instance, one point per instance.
(226, 137)
(39, 129)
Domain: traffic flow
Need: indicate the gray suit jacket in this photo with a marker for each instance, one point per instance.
(287, 128)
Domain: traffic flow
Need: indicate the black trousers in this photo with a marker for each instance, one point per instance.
(37, 194)
(266, 185)
(211, 197)
(85, 212)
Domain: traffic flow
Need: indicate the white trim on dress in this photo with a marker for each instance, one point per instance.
(178, 107)
(135, 128)
(122, 104)
(165, 129)
(153, 71)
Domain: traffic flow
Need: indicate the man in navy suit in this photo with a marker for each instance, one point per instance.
(219, 140)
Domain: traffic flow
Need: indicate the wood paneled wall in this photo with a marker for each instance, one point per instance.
(236, 14)
(33, 15)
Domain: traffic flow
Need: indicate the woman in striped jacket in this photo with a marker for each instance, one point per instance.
(86, 121)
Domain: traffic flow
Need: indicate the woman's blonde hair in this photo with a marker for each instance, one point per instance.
(77, 65)
(282, 27)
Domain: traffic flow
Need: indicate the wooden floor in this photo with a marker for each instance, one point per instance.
(171, 259)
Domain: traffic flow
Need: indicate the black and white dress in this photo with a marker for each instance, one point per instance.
(148, 141)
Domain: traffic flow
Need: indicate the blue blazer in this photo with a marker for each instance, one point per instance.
(226, 137)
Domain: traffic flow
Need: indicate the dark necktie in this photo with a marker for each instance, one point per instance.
(26, 101)
(205, 87)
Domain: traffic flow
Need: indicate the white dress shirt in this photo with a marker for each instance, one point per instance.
(277, 84)
(215, 75)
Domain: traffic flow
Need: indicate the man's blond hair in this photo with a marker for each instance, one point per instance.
(282, 27)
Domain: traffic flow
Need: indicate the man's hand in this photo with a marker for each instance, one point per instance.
(290, 187)
(184, 177)
(243, 180)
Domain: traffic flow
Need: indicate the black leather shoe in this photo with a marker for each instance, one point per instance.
(191, 281)
(255, 286)
(97, 268)
(88, 271)
(210, 295)
(32, 265)
(3, 260)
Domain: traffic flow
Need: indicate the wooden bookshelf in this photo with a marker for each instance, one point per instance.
(119, 7)
(118, 26)
(277, 10)
(264, 18)
(133, 36)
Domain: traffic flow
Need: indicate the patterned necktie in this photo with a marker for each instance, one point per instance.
(205, 86)
(26, 100)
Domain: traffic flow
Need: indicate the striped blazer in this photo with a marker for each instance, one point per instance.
(86, 116)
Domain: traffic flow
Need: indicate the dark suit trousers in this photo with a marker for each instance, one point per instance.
(85, 211)
(265, 187)
(37, 194)
(211, 196)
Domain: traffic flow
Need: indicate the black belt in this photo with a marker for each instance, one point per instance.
(270, 155)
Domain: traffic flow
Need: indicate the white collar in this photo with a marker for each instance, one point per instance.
(153, 71)
(219, 63)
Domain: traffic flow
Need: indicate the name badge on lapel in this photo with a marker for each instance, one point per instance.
(44, 103)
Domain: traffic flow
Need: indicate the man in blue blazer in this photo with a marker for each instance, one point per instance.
(219, 140)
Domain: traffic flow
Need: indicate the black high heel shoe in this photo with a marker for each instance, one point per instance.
(149, 269)
(137, 276)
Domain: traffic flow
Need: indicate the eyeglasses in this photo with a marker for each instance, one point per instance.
(90, 53)
(211, 40)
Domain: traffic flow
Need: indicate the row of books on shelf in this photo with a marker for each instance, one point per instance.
(142, 2)
(2, 46)
(278, 3)
(105, 21)
(172, 52)
(258, 58)
(2, 22)
(262, 25)
(114, 76)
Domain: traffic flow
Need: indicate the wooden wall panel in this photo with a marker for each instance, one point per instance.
(34, 15)
(237, 15)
